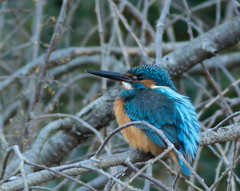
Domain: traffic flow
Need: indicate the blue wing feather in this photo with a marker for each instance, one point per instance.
(155, 138)
(158, 113)
(169, 131)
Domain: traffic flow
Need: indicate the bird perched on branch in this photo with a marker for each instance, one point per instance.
(151, 96)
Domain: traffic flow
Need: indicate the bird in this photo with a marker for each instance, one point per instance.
(149, 95)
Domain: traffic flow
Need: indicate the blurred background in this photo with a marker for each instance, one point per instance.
(26, 32)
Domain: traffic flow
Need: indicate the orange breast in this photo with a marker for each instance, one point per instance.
(134, 136)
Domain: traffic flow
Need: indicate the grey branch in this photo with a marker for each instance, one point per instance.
(202, 48)
(97, 183)
(223, 134)
(98, 114)
(63, 56)
(177, 62)
(229, 61)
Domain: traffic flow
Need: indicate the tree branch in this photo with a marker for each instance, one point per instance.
(223, 134)
(98, 114)
(177, 62)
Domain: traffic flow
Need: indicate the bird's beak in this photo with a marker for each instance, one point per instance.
(111, 75)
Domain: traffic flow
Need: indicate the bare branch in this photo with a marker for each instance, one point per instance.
(223, 134)
(53, 44)
(160, 30)
(202, 48)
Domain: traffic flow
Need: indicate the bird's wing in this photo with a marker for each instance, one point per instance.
(157, 109)
(171, 112)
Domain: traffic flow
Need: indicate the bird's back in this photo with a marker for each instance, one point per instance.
(151, 96)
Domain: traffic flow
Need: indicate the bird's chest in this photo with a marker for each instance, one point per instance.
(134, 136)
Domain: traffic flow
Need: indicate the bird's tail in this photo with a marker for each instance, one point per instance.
(183, 166)
(179, 162)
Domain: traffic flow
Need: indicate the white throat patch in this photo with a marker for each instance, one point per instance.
(127, 86)
(158, 87)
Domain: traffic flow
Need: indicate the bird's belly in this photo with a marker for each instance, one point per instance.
(138, 139)
(134, 136)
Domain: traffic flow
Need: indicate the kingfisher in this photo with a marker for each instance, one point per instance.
(151, 96)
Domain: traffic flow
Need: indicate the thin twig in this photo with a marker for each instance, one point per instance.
(120, 40)
(130, 30)
(150, 162)
(4, 143)
(176, 179)
(15, 30)
(225, 120)
(180, 176)
(41, 188)
(147, 177)
(216, 153)
(61, 174)
(147, 182)
(37, 27)
(227, 73)
(16, 48)
(223, 175)
(53, 44)
(234, 4)
(92, 31)
(63, 89)
(160, 30)
(21, 165)
(218, 169)
(234, 155)
(195, 164)
(144, 21)
(108, 176)
(198, 85)
(100, 30)
(4, 164)
(58, 115)
(218, 12)
(217, 97)
(215, 86)
(190, 32)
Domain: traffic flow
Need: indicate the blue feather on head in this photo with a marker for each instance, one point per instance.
(154, 72)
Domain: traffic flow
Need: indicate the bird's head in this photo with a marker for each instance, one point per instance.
(140, 77)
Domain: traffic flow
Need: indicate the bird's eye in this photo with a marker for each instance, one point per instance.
(134, 77)
(141, 78)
